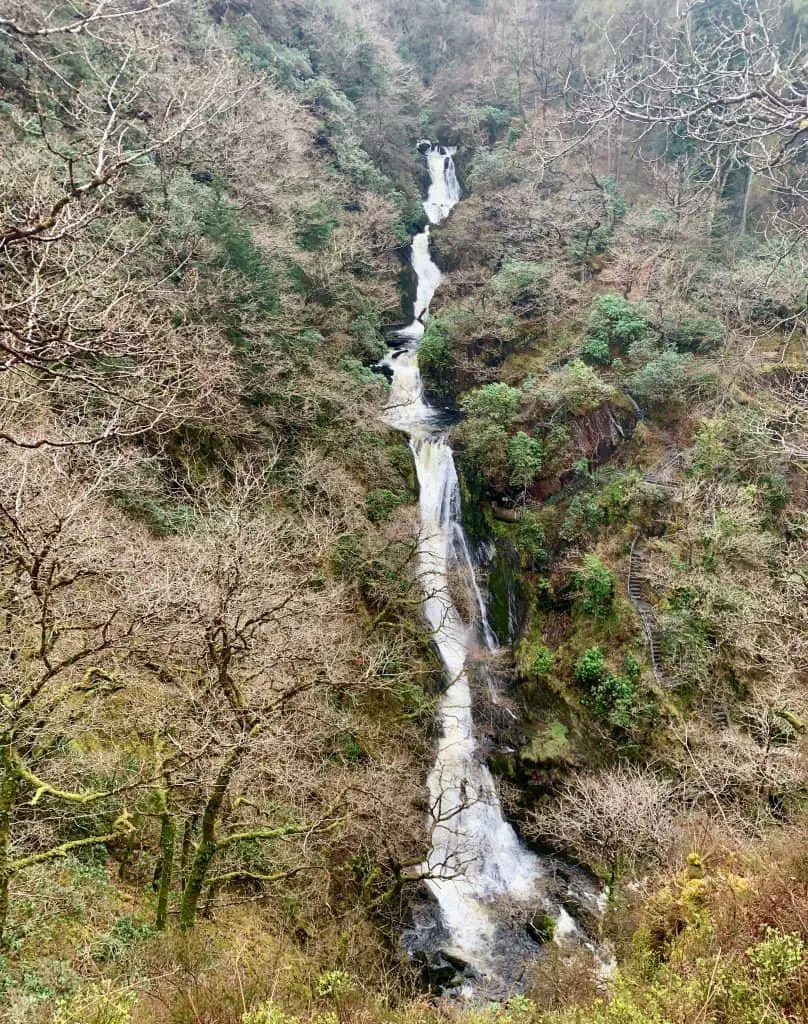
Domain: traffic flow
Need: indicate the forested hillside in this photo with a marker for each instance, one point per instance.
(221, 680)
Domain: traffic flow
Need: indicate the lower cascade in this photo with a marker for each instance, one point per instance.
(487, 886)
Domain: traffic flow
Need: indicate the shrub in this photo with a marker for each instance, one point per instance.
(486, 447)
(381, 503)
(663, 379)
(615, 322)
(583, 519)
(575, 386)
(494, 403)
(522, 283)
(525, 456)
(613, 697)
(693, 334)
(595, 583)
(586, 243)
(493, 168)
(96, 1003)
(238, 252)
(369, 343)
(315, 227)
(541, 660)
(596, 351)
(590, 669)
(529, 539)
(436, 358)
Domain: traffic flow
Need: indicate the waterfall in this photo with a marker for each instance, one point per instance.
(477, 869)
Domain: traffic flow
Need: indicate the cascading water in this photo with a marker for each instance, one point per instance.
(485, 882)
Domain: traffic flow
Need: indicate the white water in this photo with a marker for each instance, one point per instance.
(477, 868)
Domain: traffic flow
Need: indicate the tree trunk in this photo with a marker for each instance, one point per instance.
(168, 833)
(205, 853)
(746, 196)
(9, 785)
(206, 850)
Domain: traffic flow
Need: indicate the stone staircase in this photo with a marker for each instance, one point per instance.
(636, 574)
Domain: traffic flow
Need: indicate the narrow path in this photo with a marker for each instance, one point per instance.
(644, 609)
(661, 475)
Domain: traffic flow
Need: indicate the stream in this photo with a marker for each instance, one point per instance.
(486, 886)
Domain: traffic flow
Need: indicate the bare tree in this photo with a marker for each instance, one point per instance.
(728, 79)
(617, 818)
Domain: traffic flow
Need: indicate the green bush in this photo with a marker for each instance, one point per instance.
(596, 351)
(493, 168)
(525, 457)
(584, 244)
(583, 519)
(575, 387)
(493, 403)
(693, 334)
(590, 669)
(436, 359)
(163, 517)
(486, 447)
(381, 503)
(221, 223)
(315, 226)
(614, 324)
(522, 283)
(612, 697)
(541, 660)
(370, 345)
(529, 539)
(595, 583)
(663, 379)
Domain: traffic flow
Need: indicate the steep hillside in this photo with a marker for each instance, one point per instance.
(219, 692)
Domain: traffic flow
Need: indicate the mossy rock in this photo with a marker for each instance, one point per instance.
(548, 744)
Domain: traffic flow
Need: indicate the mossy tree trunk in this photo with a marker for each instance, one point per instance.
(206, 850)
(9, 786)
(168, 832)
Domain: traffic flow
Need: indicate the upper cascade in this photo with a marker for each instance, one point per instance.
(444, 188)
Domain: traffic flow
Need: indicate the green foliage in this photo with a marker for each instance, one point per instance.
(775, 492)
(522, 283)
(585, 244)
(370, 345)
(596, 351)
(315, 226)
(614, 199)
(590, 669)
(125, 933)
(334, 985)
(156, 511)
(663, 379)
(529, 539)
(775, 959)
(98, 1002)
(583, 519)
(266, 1013)
(612, 697)
(436, 358)
(525, 458)
(485, 445)
(493, 168)
(492, 403)
(541, 659)
(614, 324)
(595, 583)
(361, 374)
(221, 223)
(381, 503)
(576, 387)
(693, 334)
